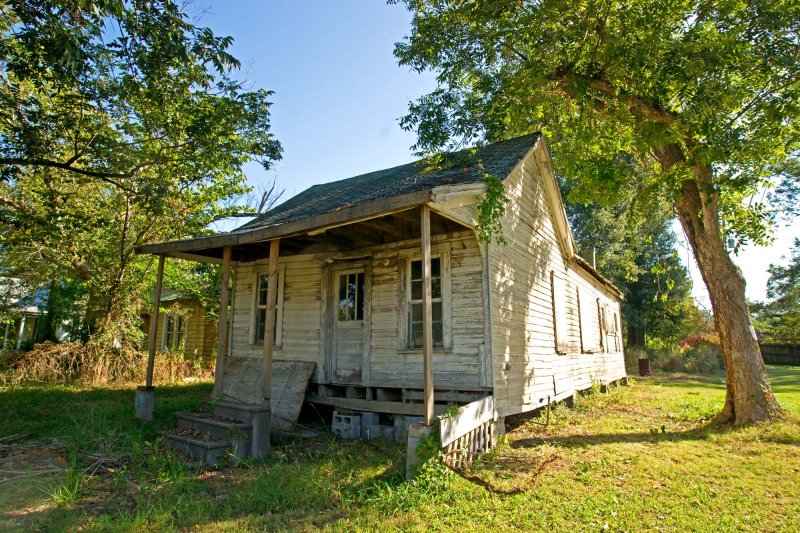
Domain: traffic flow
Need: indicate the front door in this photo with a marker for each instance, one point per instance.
(348, 325)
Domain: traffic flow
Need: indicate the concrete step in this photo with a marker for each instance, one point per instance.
(199, 446)
(220, 428)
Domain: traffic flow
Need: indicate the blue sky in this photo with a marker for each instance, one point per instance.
(339, 94)
(338, 89)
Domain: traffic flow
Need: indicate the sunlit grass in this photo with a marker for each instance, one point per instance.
(644, 457)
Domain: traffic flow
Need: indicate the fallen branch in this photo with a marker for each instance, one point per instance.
(499, 490)
(31, 474)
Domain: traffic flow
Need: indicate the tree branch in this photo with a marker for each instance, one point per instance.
(650, 111)
(108, 177)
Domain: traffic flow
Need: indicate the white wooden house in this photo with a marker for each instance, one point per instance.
(525, 324)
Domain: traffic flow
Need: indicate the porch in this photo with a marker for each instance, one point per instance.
(344, 243)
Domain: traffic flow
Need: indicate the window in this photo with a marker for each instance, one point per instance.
(559, 313)
(415, 304)
(351, 296)
(614, 329)
(174, 332)
(261, 310)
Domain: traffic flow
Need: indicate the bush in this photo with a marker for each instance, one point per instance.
(89, 364)
(632, 356)
(700, 356)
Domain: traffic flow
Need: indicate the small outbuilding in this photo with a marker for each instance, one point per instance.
(378, 288)
(183, 326)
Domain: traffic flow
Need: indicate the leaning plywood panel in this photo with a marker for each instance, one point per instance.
(242, 384)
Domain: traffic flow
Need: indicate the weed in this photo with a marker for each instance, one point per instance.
(65, 494)
(451, 412)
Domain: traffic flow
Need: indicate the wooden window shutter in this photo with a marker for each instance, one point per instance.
(601, 325)
(559, 313)
(589, 339)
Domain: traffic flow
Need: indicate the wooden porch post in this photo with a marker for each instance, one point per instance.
(151, 359)
(269, 326)
(5, 337)
(427, 314)
(20, 332)
(222, 325)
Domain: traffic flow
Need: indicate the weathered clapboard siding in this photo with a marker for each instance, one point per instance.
(527, 368)
(298, 314)
(391, 363)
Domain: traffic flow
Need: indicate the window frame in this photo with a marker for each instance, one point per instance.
(166, 345)
(360, 271)
(441, 252)
(255, 307)
(601, 323)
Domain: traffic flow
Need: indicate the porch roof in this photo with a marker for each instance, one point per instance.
(360, 197)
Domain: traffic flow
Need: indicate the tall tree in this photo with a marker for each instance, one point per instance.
(121, 123)
(704, 95)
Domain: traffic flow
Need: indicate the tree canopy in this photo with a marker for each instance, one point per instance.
(779, 318)
(695, 103)
(121, 123)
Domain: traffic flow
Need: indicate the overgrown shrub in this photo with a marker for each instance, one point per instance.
(632, 356)
(88, 364)
(699, 354)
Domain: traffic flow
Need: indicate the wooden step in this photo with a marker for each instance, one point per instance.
(199, 446)
(223, 429)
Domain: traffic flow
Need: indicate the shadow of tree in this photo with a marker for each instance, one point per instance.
(653, 436)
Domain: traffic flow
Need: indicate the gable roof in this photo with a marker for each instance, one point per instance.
(496, 159)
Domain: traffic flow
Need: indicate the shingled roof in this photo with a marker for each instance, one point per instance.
(466, 167)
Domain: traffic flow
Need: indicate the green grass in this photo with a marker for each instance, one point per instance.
(643, 457)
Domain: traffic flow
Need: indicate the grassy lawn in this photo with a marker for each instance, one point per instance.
(643, 457)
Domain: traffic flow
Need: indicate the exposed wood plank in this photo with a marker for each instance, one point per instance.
(197, 258)
(222, 324)
(427, 312)
(399, 408)
(151, 356)
(468, 418)
(393, 227)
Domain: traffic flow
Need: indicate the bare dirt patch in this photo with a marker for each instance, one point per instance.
(26, 469)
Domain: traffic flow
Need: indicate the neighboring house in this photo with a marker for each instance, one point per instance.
(20, 328)
(519, 326)
(21, 314)
(183, 326)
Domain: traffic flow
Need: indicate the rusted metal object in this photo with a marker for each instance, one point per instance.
(644, 367)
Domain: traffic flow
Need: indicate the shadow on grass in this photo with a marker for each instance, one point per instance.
(90, 418)
(654, 436)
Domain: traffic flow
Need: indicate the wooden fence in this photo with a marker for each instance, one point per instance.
(781, 354)
(471, 431)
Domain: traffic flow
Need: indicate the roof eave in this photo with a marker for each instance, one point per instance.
(589, 269)
(347, 215)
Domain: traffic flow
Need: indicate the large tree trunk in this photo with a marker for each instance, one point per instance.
(635, 336)
(749, 396)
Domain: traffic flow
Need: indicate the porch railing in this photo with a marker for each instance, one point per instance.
(471, 431)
